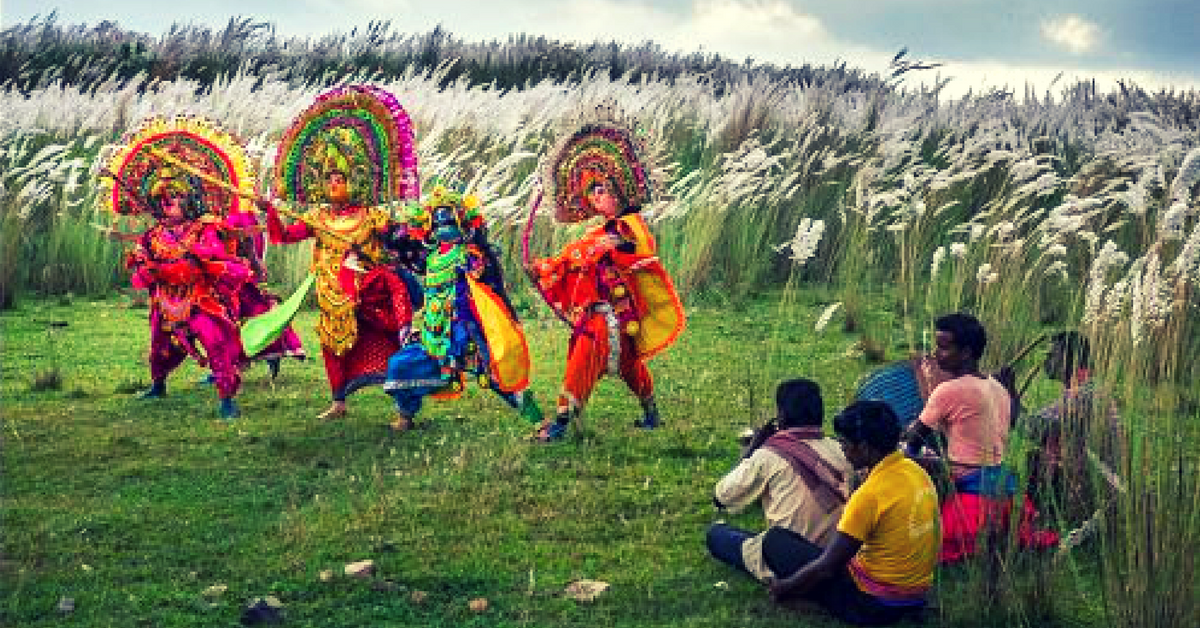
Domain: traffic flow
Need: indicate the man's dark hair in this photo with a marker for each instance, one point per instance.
(968, 332)
(869, 421)
(799, 404)
(1069, 350)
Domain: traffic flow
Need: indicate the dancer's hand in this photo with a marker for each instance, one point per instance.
(181, 272)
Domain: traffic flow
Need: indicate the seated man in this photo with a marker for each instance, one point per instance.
(879, 564)
(973, 411)
(799, 474)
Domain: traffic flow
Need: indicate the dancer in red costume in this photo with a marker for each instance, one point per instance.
(364, 305)
(609, 285)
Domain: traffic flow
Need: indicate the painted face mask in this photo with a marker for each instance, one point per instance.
(445, 225)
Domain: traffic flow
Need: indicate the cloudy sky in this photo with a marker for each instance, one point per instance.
(981, 42)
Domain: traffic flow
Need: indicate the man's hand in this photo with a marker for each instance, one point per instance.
(760, 436)
(778, 588)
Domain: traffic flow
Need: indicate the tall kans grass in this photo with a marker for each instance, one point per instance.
(1071, 210)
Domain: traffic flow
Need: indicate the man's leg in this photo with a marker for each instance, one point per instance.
(725, 544)
(586, 360)
(164, 357)
(335, 373)
(787, 552)
(637, 376)
(224, 350)
(411, 375)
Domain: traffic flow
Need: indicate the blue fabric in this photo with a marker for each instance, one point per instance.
(994, 481)
(412, 374)
(895, 385)
(725, 544)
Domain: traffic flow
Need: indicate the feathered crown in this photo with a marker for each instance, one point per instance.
(359, 130)
(605, 146)
(199, 142)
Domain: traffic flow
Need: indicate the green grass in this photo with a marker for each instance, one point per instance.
(134, 508)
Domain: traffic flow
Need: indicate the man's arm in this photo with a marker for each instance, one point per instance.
(834, 558)
(278, 232)
(918, 435)
(742, 486)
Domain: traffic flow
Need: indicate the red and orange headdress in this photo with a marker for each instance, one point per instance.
(605, 149)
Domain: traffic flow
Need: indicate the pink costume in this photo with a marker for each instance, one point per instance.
(193, 284)
(248, 242)
(186, 173)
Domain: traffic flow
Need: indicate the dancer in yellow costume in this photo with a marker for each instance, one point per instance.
(353, 152)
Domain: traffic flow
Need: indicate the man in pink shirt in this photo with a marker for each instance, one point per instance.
(974, 412)
(971, 410)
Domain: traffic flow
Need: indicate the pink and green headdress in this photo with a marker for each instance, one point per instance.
(359, 130)
(141, 176)
(604, 149)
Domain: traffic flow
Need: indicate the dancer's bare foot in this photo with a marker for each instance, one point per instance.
(401, 424)
(335, 412)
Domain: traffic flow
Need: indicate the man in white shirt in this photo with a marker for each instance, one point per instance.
(799, 474)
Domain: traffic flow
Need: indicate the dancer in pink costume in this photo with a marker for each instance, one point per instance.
(188, 176)
(194, 284)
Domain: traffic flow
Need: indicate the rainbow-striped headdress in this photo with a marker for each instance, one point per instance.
(196, 141)
(359, 130)
(605, 149)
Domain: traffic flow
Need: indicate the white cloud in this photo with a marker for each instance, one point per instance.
(771, 31)
(773, 24)
(1071, 32)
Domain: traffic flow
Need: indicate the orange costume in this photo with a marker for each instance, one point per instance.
(609, 285)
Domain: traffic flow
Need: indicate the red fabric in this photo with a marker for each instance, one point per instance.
(384, 307)
(588, 357)
(281, 234)
(574, 281)
(363, 365)
(967, 516)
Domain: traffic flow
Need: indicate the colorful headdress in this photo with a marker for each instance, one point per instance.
(196, 141)
(361, 131)
(467, 209)
(605, 149)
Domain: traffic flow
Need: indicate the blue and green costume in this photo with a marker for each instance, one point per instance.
(467, 325)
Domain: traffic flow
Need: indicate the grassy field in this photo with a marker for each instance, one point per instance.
(134, 508)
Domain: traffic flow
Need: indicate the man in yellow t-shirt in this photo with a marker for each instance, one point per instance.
(880, 563)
